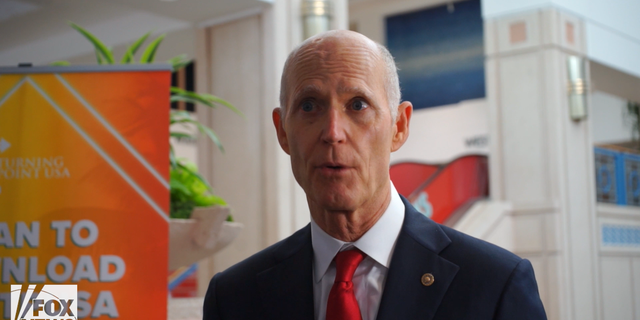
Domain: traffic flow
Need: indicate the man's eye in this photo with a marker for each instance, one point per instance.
(307, 106)
(359, 105)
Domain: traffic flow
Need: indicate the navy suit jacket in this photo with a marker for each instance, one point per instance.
(473, 279)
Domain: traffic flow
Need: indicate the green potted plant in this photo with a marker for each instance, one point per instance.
(633, 112)
(200, 223)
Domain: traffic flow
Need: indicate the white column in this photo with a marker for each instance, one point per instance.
(284, 201)
(541, 161)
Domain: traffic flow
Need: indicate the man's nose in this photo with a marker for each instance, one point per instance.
(334, 126)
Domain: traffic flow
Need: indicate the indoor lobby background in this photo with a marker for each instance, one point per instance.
(523, 121)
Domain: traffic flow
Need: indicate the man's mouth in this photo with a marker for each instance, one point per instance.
(332, 168)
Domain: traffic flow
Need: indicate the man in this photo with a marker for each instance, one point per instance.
(367, 253)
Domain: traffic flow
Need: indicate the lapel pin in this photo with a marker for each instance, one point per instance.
(427, 279)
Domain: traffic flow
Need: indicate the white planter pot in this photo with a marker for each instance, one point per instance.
(206, 233)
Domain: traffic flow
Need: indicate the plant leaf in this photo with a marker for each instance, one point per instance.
(221, 101)
(181, 209)
(100, 47)
(180, 113)
(194, 174)
(177, 185)
(173, 161)
(182, 121)
(127, 58)
(133, 48)
(60, 63)
(206, 200)
(179, 62)
(184, 117)
(179, 97)
(179, 94)
(98, 57)
(149, 53)
(180, 135)
(178, 116)
(203, 98)
(206, 130)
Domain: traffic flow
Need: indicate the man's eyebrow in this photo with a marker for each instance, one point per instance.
(313, 89)
(355, 91)
(306, 90)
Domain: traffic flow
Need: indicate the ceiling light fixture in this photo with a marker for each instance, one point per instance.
(316, 17)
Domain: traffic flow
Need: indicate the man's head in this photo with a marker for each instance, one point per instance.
(337, 125)
(392, 84)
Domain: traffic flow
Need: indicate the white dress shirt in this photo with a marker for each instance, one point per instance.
(378, 244)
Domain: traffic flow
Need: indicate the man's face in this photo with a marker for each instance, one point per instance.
(338, 128)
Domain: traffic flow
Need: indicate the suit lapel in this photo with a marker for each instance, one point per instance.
(415, 254)
(287, 288)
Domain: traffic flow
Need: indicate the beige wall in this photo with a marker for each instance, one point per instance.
(230, 66)
(235, 75)
(609, 118)
(441, 134)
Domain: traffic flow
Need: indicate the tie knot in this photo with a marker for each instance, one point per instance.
(346, 264)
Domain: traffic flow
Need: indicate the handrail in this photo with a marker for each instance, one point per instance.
(450, 187)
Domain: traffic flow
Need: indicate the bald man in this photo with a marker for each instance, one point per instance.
(367, 253)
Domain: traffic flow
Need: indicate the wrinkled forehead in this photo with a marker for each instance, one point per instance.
(327, 55)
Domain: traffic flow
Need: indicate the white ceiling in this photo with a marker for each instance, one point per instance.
(36, 31)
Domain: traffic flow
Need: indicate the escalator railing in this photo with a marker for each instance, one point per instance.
(443, 192)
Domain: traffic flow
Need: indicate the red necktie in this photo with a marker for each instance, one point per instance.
(342, 303)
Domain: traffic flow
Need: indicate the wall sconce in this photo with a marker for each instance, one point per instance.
(316, 17)
(577, 88)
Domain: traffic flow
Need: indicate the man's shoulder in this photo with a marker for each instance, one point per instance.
(476, 259)
(488, 282)
(458, 247)
(466, 250)
(231, 291)
(268, 257)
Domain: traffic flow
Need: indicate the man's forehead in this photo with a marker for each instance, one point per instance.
(336, 48)
(327, 56)
(338, 38)
(343, 87)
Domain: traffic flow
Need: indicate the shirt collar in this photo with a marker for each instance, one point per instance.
(378, 242)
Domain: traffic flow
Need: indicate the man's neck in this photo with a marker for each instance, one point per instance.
(350, 225)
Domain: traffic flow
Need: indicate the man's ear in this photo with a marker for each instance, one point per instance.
(401, 126)
(277, 115)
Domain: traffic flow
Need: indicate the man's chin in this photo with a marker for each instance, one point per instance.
(335, 202)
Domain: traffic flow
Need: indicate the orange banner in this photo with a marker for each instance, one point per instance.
(84, 192)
